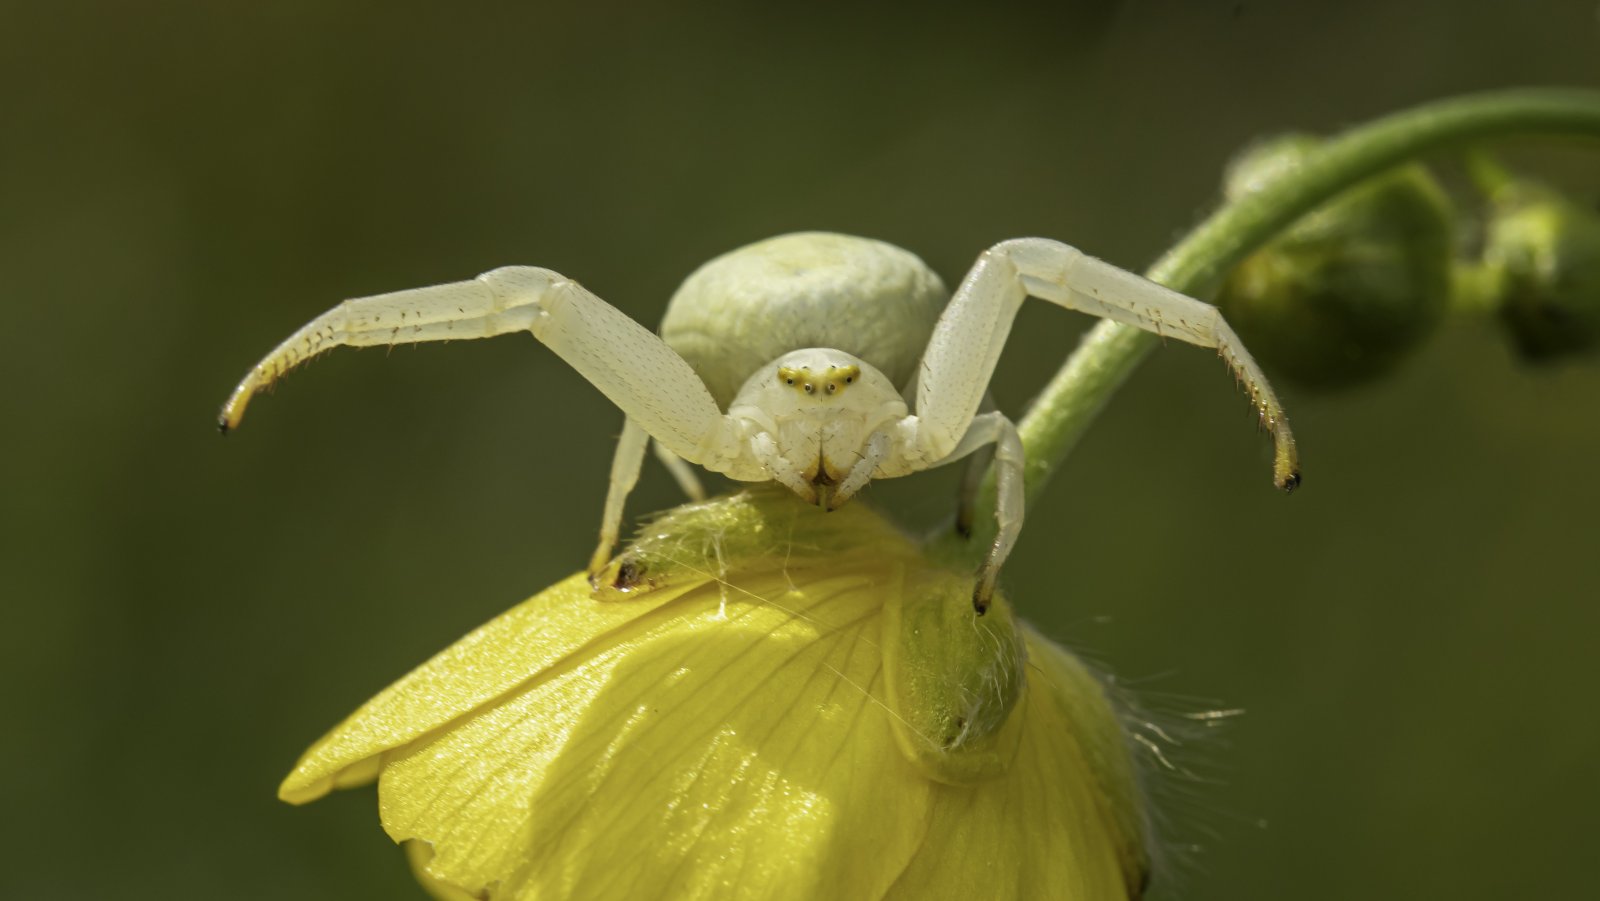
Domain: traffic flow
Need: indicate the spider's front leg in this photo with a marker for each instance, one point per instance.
(471, 309)
(971, 333)
(661, 394)
(630, 364)
(1066, 276)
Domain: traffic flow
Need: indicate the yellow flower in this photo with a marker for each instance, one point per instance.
(764, 702)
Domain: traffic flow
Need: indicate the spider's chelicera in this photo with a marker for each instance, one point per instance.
(816, 360)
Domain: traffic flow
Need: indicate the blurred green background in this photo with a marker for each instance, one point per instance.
(1413, 635)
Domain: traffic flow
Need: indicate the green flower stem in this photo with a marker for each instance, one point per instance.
(1110, 351)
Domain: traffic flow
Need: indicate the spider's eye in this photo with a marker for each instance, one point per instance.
(789, 381)
(811, 389)
(832, 387)
(848, 379)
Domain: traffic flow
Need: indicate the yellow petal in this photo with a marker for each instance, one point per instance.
(482, 666)
(732, 743)
(419, 855)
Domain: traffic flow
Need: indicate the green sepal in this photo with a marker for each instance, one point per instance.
(954, 676)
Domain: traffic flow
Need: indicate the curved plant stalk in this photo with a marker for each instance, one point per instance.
(1110, 351)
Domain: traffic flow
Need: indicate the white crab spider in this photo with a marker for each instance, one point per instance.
(819, 361)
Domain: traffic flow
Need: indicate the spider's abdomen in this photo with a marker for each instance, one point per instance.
(750, 306)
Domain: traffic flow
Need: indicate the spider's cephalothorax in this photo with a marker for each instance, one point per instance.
(816, 360)
(817, 408)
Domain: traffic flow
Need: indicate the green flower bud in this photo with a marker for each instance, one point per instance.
(1343, 294)
(1542, 256)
